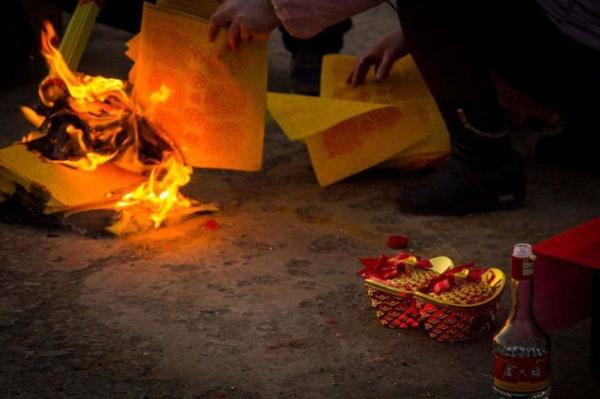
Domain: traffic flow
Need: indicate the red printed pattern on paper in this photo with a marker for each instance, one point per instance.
(521, 374)
(352, 134)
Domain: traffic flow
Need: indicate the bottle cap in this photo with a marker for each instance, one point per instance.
(522, 262)
(522, 251)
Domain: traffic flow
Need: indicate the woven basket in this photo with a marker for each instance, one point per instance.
(393, 299)
(454, 318)
(456, 315)
(395, 311)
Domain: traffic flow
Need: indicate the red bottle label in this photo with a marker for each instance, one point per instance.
(521, 374)
(522, 268)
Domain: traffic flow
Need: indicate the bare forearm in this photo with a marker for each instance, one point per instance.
(306, 18)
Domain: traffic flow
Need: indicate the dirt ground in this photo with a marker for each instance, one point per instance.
(269, 305)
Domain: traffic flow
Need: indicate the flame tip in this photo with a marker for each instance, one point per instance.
(90, 96)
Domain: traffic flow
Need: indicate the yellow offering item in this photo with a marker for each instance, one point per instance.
(348, 130)
(63, 186)
(347, 137)
(78, 33)
(405, 83)
(216, 105)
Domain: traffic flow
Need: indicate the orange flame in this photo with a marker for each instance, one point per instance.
(105, 107)
(83, 89)
(160, 193)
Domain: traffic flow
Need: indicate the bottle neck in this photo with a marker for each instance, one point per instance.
(523, 299)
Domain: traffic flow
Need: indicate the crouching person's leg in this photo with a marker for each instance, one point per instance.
(447, 41)
(307, 56)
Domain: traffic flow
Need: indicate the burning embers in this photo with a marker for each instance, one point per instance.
(86, 121)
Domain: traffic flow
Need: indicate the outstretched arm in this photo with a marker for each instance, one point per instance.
(306, 18)
(302, 18)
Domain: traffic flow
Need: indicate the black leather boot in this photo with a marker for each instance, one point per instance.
(458, 188)
(483, 174)
(305, 76)
(307, 56)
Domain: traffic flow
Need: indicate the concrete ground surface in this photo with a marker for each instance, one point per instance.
(269, 305)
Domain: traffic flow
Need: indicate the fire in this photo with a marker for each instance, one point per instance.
(82, 89)
(88, 121)
(160, 193)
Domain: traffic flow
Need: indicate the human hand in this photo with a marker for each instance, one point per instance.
(382, 56)
(243, 20)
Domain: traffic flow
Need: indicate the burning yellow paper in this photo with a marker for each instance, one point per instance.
(215, 113)
(66, 187)
(97, 124)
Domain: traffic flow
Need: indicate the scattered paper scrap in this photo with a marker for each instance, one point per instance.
(397, 242)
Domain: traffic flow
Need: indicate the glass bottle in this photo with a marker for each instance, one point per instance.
(521, 349)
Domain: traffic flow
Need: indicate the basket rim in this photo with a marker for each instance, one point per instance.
(498, 283)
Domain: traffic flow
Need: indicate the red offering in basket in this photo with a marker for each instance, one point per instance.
(452, 303)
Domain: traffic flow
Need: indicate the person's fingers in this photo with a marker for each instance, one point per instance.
(385, 67)
(213, 28)
(233, 36)
(218, 20)
(358, 68)
(353, 73)
(245, 34)
(350, 76)
(362, 69)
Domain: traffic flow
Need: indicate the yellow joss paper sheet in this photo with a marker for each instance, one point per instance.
(346, 137)
(133, 46)
(405, 83)
(348, 130)
(66, 187)
(216, 107)
(302, 116)
(132, 53)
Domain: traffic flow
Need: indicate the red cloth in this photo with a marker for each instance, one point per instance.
(580, 245)
(563, 275)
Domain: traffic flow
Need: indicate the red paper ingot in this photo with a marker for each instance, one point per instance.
(394, 311)
(452, 303)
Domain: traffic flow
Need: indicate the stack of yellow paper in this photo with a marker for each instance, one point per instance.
(217, 103)
(32, 189)
(348, 130)
(49, 188)
(215, 114)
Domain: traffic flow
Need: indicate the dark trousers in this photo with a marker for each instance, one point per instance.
(457, 45)
(330, 40)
